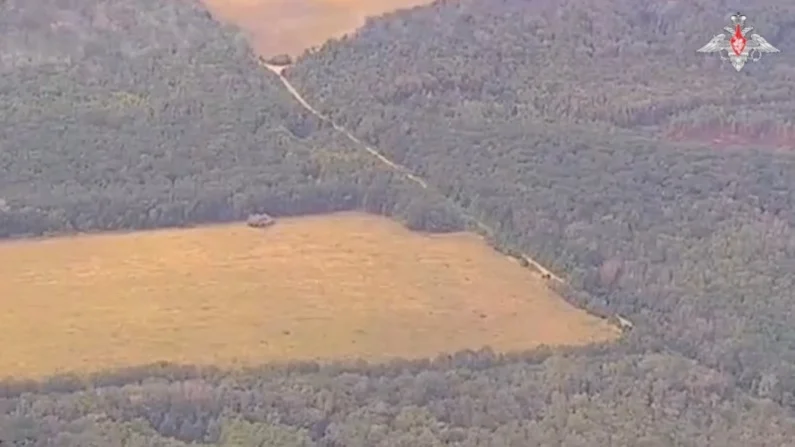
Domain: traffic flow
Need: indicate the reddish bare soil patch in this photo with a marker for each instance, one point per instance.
(724, 137)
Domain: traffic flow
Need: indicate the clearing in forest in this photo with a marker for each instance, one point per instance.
(323, 287)
(292, 26)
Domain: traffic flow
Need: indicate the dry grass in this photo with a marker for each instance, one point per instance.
(345, 285)
(291, 26)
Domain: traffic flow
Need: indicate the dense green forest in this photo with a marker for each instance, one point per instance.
(551, 122)
(574, 128)
(626, 63)
(592, 397)
(149, 114)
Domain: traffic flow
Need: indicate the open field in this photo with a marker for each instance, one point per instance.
(291, 26)
(343, 285)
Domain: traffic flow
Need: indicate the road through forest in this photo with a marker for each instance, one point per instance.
(391, 164)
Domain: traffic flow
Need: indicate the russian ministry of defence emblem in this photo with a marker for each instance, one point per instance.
(738, 45)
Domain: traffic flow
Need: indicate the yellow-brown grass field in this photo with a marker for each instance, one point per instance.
(292, 26)
(335, 286)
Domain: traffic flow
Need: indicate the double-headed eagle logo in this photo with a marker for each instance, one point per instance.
(739, 48)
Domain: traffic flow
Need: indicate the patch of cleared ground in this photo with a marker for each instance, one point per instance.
(739, 137)
(292, 26)
(344, 285)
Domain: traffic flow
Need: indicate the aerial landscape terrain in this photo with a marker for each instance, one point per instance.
(470, 197)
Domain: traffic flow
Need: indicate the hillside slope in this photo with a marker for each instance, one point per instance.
(624, 63)
(133, 116)
(550, 124)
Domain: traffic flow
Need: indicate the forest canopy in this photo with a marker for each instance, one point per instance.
(150, 114)
(573, 128)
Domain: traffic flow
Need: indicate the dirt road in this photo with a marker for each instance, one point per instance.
(391, 164)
